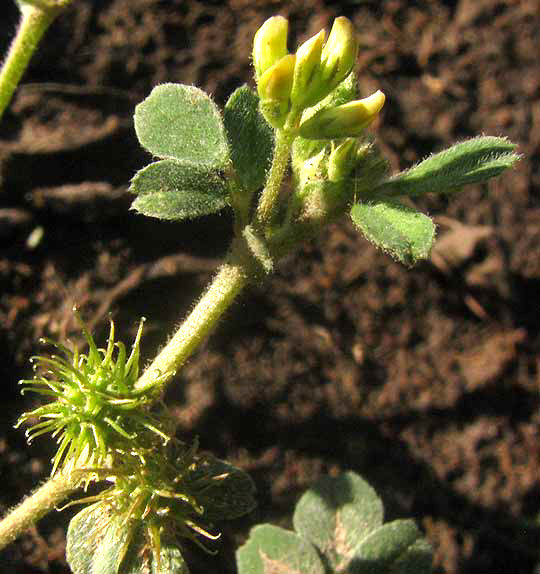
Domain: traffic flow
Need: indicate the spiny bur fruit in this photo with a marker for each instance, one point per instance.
(96, 409)
(156, 499)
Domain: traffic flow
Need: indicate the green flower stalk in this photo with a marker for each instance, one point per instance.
(96, 409)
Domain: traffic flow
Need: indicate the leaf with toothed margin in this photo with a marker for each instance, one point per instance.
(335, 513)
(98, 543)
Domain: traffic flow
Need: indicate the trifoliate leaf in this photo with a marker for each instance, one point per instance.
(272, 550)
(251, 139)
(404, 233)
(169, 189)
(182, 122)
(336, 513)
(472, 161)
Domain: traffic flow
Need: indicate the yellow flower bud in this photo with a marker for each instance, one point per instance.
(270, 44)
(306, 72)
(276, 82)
(274, 89)
(347, 120)
(339, 53)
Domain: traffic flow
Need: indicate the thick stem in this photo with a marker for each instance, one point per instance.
(44, 499)
(227, 284)
(270, 193)
(34, 23)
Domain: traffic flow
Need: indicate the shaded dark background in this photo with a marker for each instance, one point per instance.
(425, 381)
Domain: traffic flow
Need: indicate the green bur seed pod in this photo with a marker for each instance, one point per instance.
(96, 409)
(157, 498)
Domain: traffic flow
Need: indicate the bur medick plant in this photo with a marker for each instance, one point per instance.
(109, 420)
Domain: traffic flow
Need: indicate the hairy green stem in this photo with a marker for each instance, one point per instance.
(44, 499)
(36, 17)
(267, 202)
(227, 284)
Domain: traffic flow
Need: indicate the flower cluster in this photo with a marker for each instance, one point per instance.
(290, 83)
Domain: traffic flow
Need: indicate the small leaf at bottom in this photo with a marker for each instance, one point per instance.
(272, 550)
(169, 189)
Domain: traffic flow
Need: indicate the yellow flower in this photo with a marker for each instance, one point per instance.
(270, 44)
(347, 120)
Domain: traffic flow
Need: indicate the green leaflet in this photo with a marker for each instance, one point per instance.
(389, 546)
(273, 550)
(182, 122)
(251, 139)
(223, 490)
(406, 234)
(169, 189)
(336, 513)
(472, 161)
(97, 544)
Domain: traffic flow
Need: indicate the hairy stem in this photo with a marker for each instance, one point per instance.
(270, 193)
(36, 17)
(227, 284)
(44, 499)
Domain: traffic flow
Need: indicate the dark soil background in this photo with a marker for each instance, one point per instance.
(426, 382)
